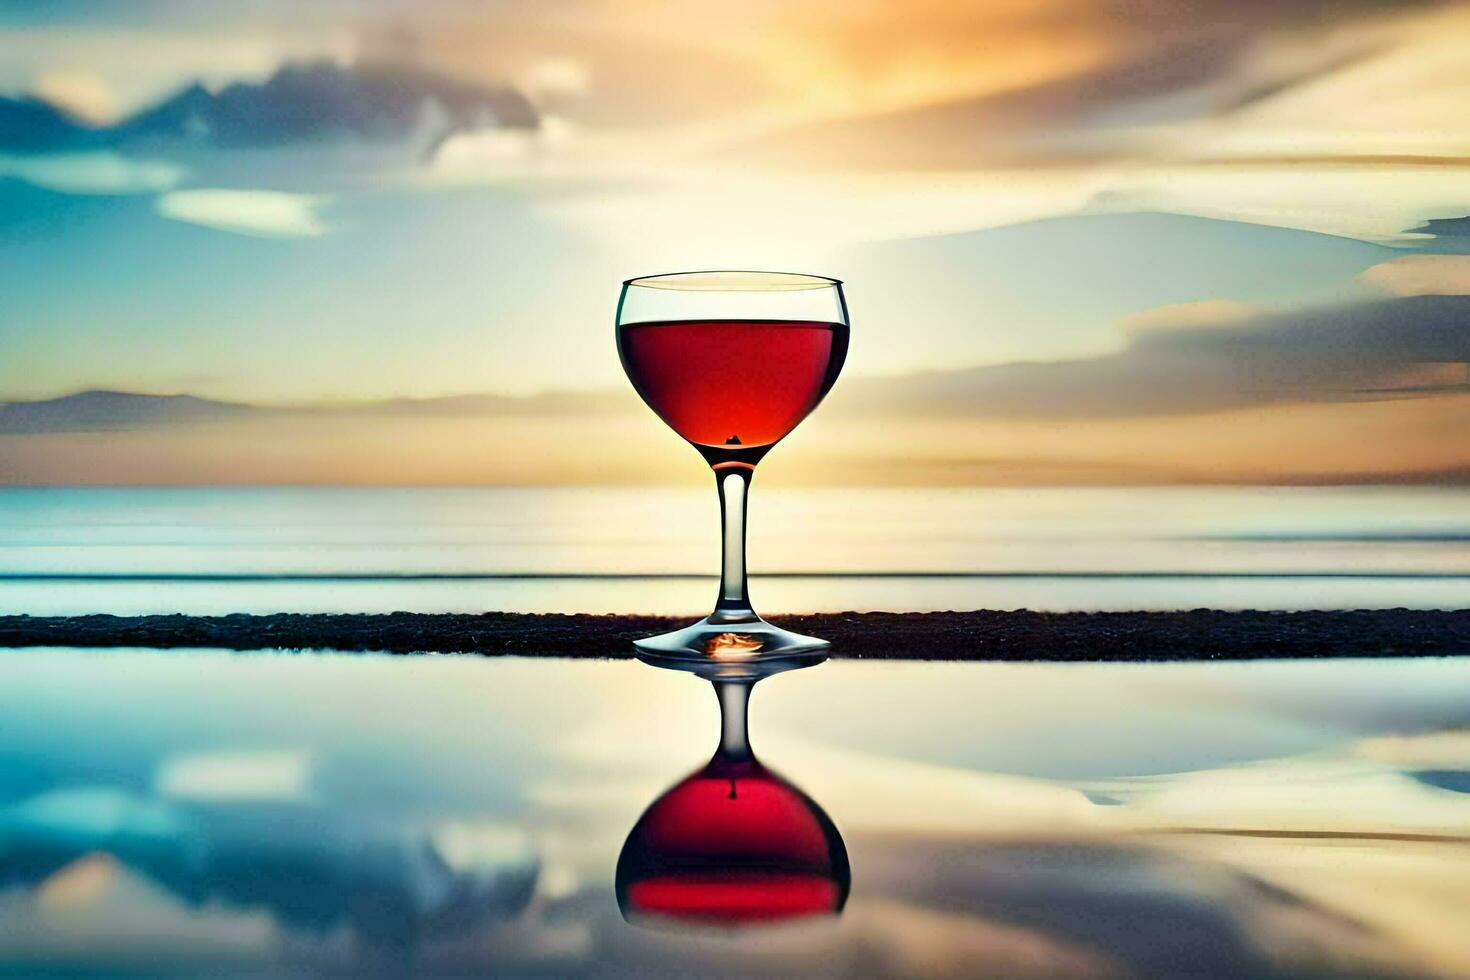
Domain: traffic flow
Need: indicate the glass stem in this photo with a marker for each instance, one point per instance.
(734, 601)
(734, 711)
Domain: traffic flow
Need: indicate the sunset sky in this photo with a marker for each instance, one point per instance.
(1132, 241)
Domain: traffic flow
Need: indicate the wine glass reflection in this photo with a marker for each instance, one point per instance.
(732, 844)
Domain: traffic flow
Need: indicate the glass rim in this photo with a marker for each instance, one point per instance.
(733, 281)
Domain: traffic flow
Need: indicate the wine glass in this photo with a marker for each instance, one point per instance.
(732, 361)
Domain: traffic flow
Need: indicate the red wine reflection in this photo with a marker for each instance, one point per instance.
(732, 844)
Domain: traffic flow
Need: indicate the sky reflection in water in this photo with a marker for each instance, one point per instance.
(289, 814)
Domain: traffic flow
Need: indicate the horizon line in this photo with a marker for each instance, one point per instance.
(690, 576)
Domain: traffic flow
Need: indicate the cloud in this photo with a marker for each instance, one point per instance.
(1422, 275)
(557, 78)
(555, 146)
(1403, 96)
(1370, 201)
(884, 57)
(1412, 329)
(236, 776)
(941, 86)
(268, 214)
(301, 103)
(137, 62)
(93, 173)
(1203, 313)
(1440, 750)
(1414, 346)
(1448, 234)
(84, 94)
(1120, 100)
(318, 101)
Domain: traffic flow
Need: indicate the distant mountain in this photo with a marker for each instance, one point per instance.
(101, 411)
(28, 124)
(91, 411)
(548, 403)
(300, 103)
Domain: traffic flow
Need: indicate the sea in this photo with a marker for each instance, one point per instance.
(655, 550)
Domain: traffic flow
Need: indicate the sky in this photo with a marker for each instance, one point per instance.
(1151, 241)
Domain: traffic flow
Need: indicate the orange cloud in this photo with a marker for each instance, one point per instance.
(1422, 275)
(1203, 313)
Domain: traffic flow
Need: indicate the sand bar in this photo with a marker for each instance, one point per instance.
(981, 635)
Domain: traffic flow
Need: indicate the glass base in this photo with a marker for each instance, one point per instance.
(726, 646)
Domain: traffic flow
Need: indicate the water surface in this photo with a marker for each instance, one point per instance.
(649, 550)
(191, 812)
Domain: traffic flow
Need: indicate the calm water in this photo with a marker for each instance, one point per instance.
(650, 550)
(199, 813)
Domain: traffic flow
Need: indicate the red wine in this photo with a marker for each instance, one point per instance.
(733, 388)
(733, 844)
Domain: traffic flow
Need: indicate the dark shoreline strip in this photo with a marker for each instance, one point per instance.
(1016, 635)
